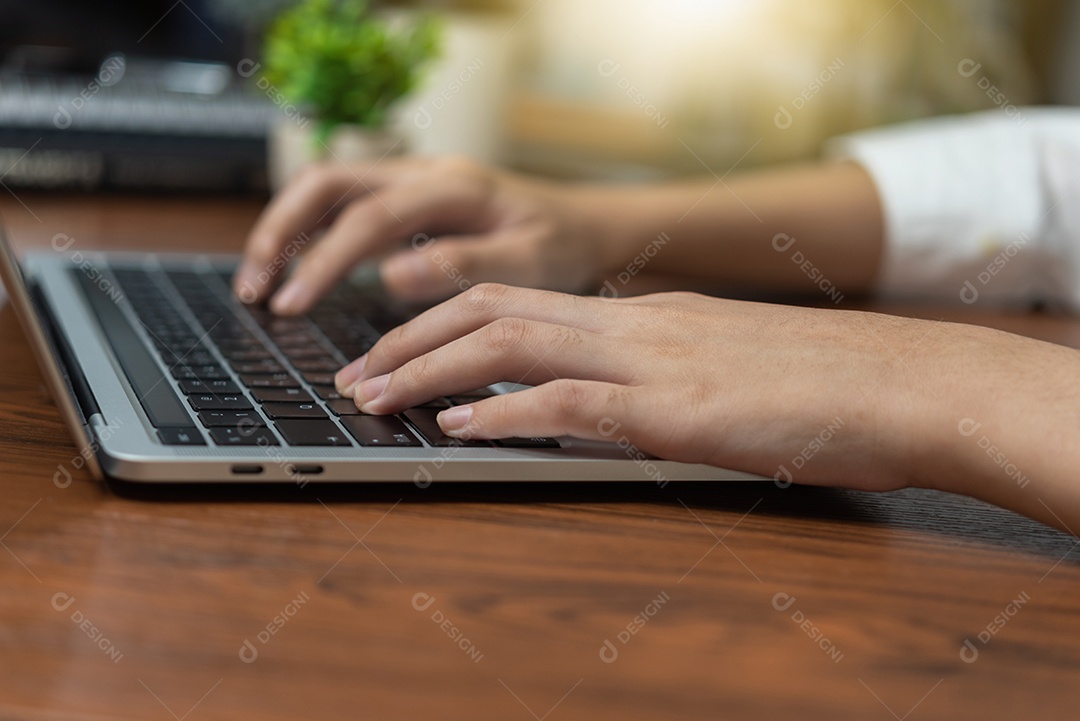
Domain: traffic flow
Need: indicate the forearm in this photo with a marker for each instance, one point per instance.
(793, 229)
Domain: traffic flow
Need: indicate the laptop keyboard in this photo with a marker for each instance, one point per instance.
(245, 377)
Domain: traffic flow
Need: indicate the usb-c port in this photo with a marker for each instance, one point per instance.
(249, 470)
(309, 470)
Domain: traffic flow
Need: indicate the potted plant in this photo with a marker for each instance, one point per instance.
(345, 67)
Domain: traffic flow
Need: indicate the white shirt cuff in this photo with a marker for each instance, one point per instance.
(978, 208)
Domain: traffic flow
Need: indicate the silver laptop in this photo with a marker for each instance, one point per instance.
(164, 377)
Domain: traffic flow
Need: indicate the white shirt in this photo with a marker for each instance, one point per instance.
(981, 208)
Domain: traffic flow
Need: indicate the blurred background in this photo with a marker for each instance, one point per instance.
(175, 94)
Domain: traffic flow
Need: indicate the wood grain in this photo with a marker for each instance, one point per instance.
(535, 577)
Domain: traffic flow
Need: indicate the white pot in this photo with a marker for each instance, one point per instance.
(293, 146)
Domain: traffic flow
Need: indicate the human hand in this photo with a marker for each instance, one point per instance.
(682, 376)
(465, 223)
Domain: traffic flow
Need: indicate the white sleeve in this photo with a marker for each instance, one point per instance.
(980, 208)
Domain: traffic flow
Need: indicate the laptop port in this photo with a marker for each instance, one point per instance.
(247, 470)
(303, 470)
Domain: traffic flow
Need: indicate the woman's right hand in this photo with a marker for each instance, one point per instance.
(440, 225)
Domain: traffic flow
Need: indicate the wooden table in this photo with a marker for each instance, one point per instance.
(560, 601)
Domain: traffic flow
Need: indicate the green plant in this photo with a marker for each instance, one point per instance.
(345, 64)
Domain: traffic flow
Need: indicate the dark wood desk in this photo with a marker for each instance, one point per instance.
(558, 602)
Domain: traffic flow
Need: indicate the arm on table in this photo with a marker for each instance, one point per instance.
(748, 386)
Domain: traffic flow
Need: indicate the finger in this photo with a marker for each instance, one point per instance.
(584, 409)
(469, 312)
(395, 213)
(302, 206)
(509, 349)
(450, 265)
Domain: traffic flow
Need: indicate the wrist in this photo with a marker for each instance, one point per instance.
(607, 220)
(998, 421)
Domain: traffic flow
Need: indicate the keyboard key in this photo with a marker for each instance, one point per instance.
(305, 432)
(245, 436)
(472, 396)
(317, 365)
(178, 343)
(281, 395)
(188, 436)
(279, 325)
(264, 366)
(199, 373)
(344, 407)
(303, 352)
(271, 380)
(425, 420)
(210, 402)
(327, 393)
(247, 354)
(224, 419)
(214, 386)
(528, 443)
(319, 379)
(293, 410)
(373, 431)
(194, 358)
(239, 344)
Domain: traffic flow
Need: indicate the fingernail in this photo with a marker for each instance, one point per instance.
(346, 378)
(246, 282)
(369, 391)
(293, 299)
(454, 420)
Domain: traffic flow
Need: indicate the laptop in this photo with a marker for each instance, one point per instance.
(164, 377)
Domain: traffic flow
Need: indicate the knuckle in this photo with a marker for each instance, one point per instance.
(484, 299)
(568, 398)
(565, 337)
(417, 373)
(507, 334)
